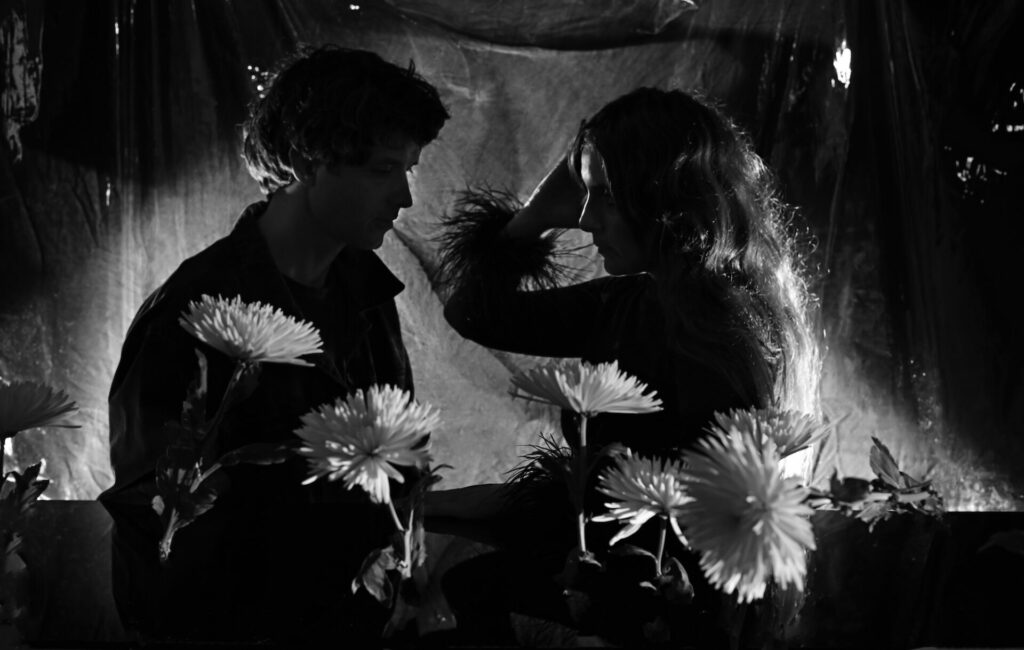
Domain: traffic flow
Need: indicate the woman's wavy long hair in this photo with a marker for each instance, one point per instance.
(727, 267)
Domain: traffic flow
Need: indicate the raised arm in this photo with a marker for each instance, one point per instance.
(499, 264)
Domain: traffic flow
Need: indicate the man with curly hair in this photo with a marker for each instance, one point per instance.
(331, 143)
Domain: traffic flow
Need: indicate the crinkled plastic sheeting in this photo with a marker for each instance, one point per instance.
(131, 164)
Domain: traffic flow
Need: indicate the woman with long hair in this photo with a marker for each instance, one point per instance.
(704, 300)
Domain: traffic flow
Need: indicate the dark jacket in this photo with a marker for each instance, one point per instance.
(363, 346)
(503, 294)
(273, 559)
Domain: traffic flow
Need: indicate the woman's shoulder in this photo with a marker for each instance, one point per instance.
(620, 286)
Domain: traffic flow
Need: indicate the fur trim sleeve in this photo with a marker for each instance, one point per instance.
(476, 258)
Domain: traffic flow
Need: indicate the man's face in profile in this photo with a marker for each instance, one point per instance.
(357, 204)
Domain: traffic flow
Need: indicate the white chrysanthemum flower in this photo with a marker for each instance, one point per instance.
(789, 431)
(361, 439)
(792, 434)
(27, 405)
(250, 331)
(747, 521)
(586, 389)
(643, 488)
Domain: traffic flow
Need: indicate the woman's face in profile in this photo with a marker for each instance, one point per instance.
(622, 252)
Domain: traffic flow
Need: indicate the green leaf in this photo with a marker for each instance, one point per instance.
(7, 489)
(257, 453)
(884, 465)
(631, 563)
(912, 483)
(912, 497)
(32, 492)
(198, 501)
(373, 574)
(674, 582)
(31, 473)
(581, 571)
(19, 491)
(874, 513)
(176, 469)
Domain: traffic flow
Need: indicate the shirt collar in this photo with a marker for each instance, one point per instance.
(367, 279)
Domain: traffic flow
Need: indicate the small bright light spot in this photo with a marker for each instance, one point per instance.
(354, 7)
(117, 29)
(844, 56)
(107, 193)
(259, 87)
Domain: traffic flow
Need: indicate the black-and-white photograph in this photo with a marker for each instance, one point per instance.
(511, 323)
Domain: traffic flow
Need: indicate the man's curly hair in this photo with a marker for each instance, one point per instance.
(332, 105)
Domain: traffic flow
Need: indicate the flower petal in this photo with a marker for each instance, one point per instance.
(250, 331)
(365, 437)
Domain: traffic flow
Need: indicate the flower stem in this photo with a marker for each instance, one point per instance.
(583, 468)
(394, 516)
(205, 475)
(661, 541)
(168, 536)
(213, 428)
(3, 454)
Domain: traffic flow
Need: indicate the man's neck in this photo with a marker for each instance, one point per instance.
(299, 251)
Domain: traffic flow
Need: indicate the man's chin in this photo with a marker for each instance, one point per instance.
(373, 242)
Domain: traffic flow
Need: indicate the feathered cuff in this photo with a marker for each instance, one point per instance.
(477, 258)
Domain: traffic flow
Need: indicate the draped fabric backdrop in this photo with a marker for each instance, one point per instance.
(894, 127)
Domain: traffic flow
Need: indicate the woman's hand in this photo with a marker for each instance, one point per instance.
(555, 203)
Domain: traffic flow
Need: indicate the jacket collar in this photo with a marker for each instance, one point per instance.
(366, 279)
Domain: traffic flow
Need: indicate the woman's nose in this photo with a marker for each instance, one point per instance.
(588, 217)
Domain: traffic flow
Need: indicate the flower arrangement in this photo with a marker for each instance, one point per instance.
(363, 441)
(23, 405)
(747, 522)
(188, 477)
(731, 500)
(587, 390)
(372, 440)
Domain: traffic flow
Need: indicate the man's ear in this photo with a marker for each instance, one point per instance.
(303, 169)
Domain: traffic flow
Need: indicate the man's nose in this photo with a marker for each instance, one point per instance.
(404, 193)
